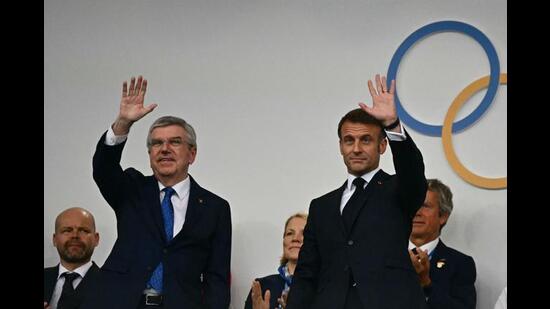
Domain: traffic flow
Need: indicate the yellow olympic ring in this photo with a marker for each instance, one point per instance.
(446, 136)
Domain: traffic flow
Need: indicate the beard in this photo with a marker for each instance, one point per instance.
(75, 252)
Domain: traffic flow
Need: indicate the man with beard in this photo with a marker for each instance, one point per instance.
(75, 238)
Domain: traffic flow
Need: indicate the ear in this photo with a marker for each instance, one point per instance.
(383, 145)
(192, 154)
(443, 219)
(96, 239)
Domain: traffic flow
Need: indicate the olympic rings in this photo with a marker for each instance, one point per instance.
(441, 26)
(491, 82)
(446, 136)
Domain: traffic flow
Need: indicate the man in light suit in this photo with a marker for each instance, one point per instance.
(446, 275)
(353, 255)
(75, 239)
(173, 248)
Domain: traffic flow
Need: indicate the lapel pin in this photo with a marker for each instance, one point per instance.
(201, 201)
(440, 263)
(379, 182)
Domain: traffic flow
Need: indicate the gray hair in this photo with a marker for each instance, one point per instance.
(444, 196)
(172, 120)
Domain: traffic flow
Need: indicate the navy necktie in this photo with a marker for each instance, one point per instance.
(67, 293)
(168, 217)
(353, 203)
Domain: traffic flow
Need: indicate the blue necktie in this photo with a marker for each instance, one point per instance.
(168, 217)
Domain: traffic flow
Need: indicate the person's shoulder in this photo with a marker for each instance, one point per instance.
(456, 254)
(50, 269)
(207, 196)
(336, 193)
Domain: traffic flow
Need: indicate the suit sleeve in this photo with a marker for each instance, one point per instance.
(217, 276)
(409, 168)
(304, 282)
(107, 172)
(462, 293)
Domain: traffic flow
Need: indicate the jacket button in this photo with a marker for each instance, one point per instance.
(350, 242)
(346, 268)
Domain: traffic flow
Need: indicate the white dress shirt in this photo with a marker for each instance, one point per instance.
(82, 270)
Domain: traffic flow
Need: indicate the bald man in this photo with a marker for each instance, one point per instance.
(75, 238)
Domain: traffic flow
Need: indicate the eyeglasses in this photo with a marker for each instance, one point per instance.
(173, 142)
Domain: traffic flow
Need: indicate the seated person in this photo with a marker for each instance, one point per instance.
(446, 275)
(270, 292)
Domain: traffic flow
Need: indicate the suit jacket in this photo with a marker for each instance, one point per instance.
(374, 254)
(275, 284)
(196, 261)
(81, 291)
(453, 282)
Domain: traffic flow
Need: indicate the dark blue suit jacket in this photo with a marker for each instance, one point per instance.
(275, 284)
(374, 255)
(82, 290)
(196, 261)
(452, 282)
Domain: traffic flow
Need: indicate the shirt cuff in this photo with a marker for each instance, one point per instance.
(111, 139)
(394, 136)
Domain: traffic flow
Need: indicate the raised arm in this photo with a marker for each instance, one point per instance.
(132, 108)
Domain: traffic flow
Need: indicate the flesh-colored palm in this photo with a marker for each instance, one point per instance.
(132, 106)
(383, 101)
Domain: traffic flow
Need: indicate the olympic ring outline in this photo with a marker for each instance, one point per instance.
(446, 136)
(445, 26)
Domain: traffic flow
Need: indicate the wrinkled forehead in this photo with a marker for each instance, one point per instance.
(359, 129)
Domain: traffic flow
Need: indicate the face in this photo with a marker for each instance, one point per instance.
(293, 238)
(427, 221)
(170, 155)
(75, 237)
(361, 146)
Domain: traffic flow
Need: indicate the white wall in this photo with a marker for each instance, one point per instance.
(265, 83)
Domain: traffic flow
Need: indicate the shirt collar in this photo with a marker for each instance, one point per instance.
(367, 177)
(430, 246)
(81, 270)
(181, 188)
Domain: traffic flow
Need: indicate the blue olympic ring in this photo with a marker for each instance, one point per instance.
(441, 26)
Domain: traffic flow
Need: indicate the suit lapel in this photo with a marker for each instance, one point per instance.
(373, 185)
(334, 203)
(439, 255)
(151, 200)
(195, 208)
(50, 279)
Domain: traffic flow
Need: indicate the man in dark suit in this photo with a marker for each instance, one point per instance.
(173, 248)
(446, 275)
(353, 255)
(75, 237)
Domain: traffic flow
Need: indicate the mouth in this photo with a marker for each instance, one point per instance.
(165, 160)
(75, 245)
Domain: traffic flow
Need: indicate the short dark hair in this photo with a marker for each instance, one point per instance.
(360, 116)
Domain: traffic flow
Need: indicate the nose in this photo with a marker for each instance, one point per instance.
(356, 147)
(298, 237)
